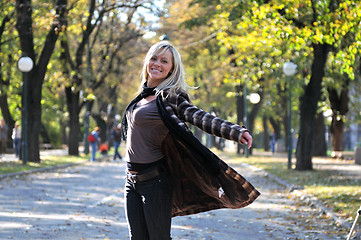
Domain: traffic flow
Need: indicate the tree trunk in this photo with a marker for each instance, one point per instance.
(37, 74)
(276, 127)
(44, 134)
(64, 136)
(34, 114)
(239, 103)
(308, 108)
(4, 106)
(339, 105)
(4, 86)
(320, 146)
(266, 139)
(72, 99)
(336, 131)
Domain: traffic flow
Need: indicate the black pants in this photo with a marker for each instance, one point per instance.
(149, 208)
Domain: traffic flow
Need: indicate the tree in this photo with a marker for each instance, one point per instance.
(74, 44)
(7, 59)
(201, 59)
(339, 100)
(330, 22)
(308, 28)
(41, 59)
(238, 56)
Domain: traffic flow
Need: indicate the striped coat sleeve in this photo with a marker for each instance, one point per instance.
(187, 112)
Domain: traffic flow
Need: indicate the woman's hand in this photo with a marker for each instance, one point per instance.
(247, 139)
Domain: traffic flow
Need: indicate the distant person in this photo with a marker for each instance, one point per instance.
(273, 142)
(116, 135)
(103, 149)
(3, 137)
(94, 143)
(16, 136)
(169, 172)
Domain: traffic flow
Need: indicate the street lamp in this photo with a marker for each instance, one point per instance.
(25, 65)
(254, 98)
(164, 37)
(118, 118)
(290, 69)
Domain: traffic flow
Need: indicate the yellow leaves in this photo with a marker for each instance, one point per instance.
(181, 11)
(318, 36)
(91, 96)
(242, 25)
(230, 94)
(358, 14)
(279, 6)
(220, 22)
(261, 12)
(299, 41)
(75, 29)
(344, 6)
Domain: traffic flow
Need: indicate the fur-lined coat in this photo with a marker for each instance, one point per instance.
(202, 181)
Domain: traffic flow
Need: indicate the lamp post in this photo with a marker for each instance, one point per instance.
(25, 65)
(290, 69)
(254, 98)
(245, 112)
(86, 126)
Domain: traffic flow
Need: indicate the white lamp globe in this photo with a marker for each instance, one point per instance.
(327, 113)
(289, 68)
(25, 64)
(254, 98)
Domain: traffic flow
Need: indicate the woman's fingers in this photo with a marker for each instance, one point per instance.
(247, 139)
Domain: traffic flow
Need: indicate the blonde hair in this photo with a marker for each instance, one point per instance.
(175, 80)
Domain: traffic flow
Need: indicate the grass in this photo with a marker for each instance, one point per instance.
(46, 161)
(337, 190)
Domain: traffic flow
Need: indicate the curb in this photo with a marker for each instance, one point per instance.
(308, 198)
(37, 170)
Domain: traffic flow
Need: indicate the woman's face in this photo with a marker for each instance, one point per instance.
(159, 66)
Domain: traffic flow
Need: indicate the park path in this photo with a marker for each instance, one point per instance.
(86, 202)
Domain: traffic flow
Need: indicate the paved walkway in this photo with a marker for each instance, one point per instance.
(86, 202)
(49, 152)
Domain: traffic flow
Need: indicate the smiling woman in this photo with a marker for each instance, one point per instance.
(169, 172)
(159, 68)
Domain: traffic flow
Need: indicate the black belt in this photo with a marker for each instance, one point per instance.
(141, 177)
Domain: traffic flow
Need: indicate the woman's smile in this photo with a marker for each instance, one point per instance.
(159, 67)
